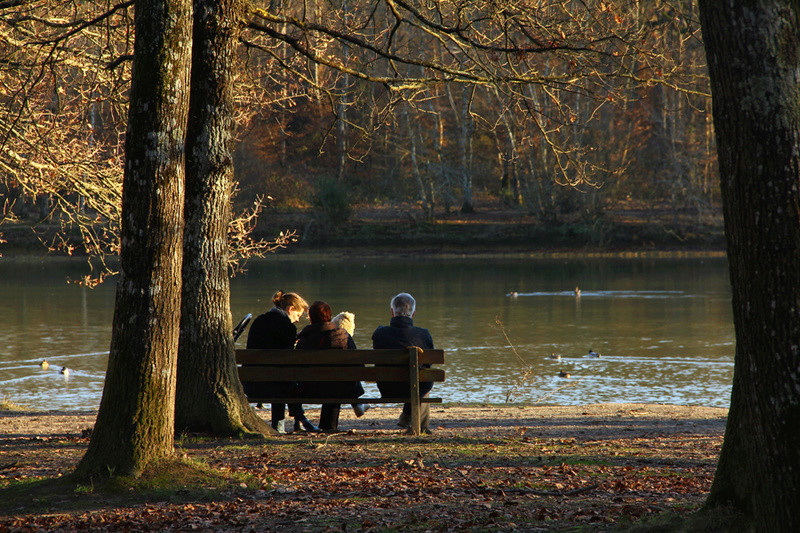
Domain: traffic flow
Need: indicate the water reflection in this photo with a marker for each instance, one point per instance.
(663, 327)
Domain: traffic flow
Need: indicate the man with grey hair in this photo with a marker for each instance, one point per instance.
(401, 333)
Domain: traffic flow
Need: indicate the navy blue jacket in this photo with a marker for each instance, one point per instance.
(401, 333)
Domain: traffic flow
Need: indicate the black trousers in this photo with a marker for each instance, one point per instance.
(329, 416)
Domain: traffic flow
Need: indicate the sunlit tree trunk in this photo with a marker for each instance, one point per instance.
(342, 105)
(465, 128)
(438, 148)
(135, 422)
(413, 144)
(753, 59)
(209, 396)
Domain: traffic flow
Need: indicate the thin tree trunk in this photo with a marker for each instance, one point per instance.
(135, 422)
(343, 129)
(209, 396)
(465, 152)
(412, 137)
(438, 148)
(753, 61)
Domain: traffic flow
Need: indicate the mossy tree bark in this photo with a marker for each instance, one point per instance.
(753, 50)
(209, 396)
(135, 422)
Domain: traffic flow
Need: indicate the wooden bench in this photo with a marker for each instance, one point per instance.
(402, 365)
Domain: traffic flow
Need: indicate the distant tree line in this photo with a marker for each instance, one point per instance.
(627, 122)
(553, 108)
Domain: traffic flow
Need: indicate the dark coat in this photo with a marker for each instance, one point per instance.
(401, 333)
(323, 336)
(272, 330)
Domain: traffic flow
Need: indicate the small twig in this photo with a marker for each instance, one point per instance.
(467, 479)
(6, 466)
(528, 369)
(320, 445)
(555, 391)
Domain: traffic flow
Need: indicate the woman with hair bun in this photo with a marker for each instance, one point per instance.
(276, 329)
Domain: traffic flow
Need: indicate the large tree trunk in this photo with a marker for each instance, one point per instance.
(135, 422)
(753, 58)
(210, 397)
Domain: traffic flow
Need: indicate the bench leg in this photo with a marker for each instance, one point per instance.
(413, 386)
(416, 421)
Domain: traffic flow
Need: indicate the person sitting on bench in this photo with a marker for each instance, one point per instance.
(323, 334)
(402, 333)
(276, 329)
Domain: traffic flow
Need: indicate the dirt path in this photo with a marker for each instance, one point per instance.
(20, 431)
(587, 421)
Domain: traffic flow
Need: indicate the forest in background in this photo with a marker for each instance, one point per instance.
(546, 113)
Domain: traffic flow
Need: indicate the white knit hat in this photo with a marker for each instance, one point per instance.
(346, 321)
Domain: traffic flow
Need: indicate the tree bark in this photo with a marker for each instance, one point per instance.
(135, 422)
(753, 59)
(465, 150)
(209, 396)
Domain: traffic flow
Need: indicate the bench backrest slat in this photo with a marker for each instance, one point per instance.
(337, 357)
(299, 373)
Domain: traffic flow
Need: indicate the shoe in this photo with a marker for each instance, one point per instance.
(280, 427)
(302, 424)
(360, 408)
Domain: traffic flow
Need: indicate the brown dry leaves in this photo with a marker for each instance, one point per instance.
(514, 477)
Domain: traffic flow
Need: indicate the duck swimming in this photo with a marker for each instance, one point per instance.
(577, 292)
(44, 364)
(513, 294)
(65, 371)
(555, 356)
(563, 374)
(592, 353)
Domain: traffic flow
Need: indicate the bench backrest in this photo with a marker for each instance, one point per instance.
(339, 365)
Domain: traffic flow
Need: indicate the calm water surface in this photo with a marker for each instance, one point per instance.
(663, 327)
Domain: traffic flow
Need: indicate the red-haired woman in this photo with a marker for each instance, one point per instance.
(324, 334)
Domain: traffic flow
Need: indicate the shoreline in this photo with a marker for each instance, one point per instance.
(600, 420)
(27, 256)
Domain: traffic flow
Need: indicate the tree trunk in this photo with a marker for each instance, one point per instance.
(412, 138)
(209, 396)
(752, 50)
(465, 148)
(135, 422)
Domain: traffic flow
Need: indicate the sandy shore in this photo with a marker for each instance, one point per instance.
(588, 421)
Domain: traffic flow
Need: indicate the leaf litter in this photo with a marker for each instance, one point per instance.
(484, 468)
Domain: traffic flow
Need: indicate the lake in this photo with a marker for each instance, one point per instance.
(663, 327)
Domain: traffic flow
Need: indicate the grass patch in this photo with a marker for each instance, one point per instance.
(8, 406)
(178, 480)
(713, 521)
